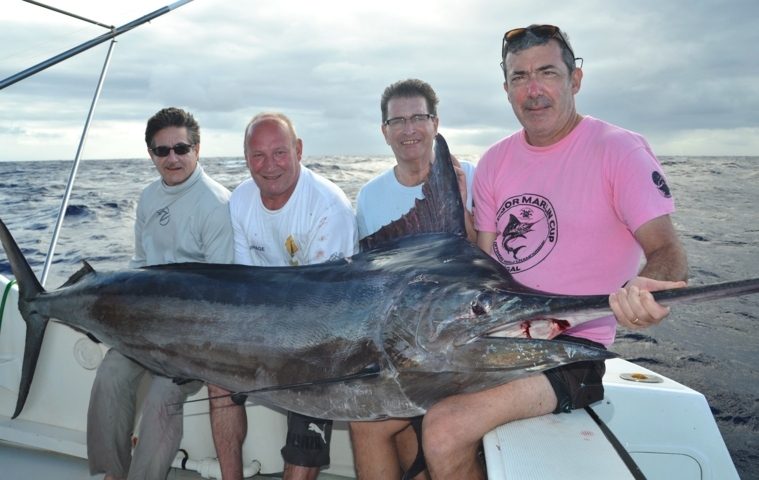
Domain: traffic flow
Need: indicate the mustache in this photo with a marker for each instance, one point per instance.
(537, 102)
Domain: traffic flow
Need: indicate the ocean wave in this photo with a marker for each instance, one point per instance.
(37, 227)
(78, 211)
(645, 361)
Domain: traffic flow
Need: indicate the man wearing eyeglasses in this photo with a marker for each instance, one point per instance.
(386, 448)
(181, 217)
(568, 205)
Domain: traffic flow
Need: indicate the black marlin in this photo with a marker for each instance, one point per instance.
(385, 333)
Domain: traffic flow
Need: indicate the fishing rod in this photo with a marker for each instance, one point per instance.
(113, 33)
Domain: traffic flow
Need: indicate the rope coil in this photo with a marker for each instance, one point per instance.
(5, 297)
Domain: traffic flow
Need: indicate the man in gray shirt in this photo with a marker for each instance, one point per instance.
(181, 217)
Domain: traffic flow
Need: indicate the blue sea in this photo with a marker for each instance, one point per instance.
(711, 347)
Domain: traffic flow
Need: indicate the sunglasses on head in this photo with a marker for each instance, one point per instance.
(542, 31)
(179, 149)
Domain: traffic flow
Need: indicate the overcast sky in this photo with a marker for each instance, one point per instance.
(683, 73)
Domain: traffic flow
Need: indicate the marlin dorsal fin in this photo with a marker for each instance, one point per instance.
(440, 211)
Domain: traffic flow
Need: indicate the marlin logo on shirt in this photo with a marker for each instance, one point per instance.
(164, 216)
(515, 229)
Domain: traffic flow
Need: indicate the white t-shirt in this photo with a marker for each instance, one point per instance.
(315, 225)
(383, 199)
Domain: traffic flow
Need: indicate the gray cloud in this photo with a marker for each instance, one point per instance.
(675, 71)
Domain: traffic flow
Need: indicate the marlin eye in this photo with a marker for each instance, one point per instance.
(482, 303)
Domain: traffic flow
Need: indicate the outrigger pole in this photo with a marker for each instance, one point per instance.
(114, 32)
(75, 168)
(89, 44)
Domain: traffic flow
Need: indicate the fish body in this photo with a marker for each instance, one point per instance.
(385, 333)
(396, 311)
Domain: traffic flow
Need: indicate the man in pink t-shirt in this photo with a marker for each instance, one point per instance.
(572, 205)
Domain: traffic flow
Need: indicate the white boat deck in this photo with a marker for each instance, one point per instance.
(30, 450)
(23, 463)
(566, 446)
(666, 428)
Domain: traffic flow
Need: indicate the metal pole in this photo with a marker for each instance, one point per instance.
(89, 44)
(40, 4)
(75, 167)
(59, 58)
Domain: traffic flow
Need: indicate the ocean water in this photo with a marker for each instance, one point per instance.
(712, 347)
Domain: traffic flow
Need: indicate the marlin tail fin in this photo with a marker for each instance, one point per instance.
(29, 289)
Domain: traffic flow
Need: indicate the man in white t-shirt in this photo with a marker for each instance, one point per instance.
(285, 215)
(386, 448)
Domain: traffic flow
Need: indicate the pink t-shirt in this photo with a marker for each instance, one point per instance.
(564, 215)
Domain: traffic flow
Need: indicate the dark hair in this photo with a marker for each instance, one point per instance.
(531, 39)
(412, 87)
(172, 117)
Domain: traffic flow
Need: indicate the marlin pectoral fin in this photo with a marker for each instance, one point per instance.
(370, 371)
(83, 272)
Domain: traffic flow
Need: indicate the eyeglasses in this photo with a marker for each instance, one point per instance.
(542, 31)
(179, 149)
(398, 122)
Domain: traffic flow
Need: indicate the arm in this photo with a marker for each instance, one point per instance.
(665, 256)
(218, 242)
(485, 241)
(334, 235)
(666, 267)
(361, 226)
(241, 251)
(139, 258)
(471, 233)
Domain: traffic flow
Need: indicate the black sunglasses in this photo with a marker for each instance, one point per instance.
(179, 149)
(542, 31)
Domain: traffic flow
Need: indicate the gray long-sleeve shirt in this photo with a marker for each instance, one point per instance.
(183, 223)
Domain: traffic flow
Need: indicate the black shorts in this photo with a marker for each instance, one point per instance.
(307, 442)
(578, 384)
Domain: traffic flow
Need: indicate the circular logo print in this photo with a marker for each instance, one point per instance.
(528, 231)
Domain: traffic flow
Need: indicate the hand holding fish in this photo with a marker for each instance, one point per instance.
(635, 307)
